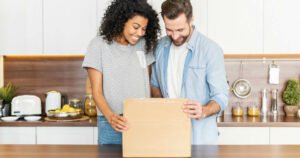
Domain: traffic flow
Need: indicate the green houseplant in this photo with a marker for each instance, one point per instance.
(7, 93)
(291, 97)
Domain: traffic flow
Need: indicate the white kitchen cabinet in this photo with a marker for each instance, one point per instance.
(101, 8)
(95, 135)
(281, 26)
(243, 135)
(237, 25)
(284, 135)
(65, 135)
(199, 10)
(21, 30)
(69, 26)
(17, 135)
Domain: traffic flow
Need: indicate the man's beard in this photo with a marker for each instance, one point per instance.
(184, 38)
(179, 44)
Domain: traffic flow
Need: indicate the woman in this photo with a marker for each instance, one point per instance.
(118, 60)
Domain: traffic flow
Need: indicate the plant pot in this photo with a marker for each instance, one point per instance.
(291, 110)
(6, 109)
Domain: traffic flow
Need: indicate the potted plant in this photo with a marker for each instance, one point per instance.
(7, 93)
(291, 97)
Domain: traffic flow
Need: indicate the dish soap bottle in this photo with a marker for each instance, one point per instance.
(90, 106)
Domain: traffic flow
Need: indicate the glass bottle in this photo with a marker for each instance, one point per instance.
(90, 106)
(274, 107)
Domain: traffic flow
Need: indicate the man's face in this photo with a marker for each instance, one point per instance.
(178, 29)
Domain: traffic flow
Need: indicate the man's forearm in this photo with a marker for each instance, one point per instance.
(211, 108)
(155, 92)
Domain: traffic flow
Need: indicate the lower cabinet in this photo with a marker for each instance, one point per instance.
(17, 135)
(65, 135)
(89, 135)
(95, 135)
(284, 135)
(243, 135)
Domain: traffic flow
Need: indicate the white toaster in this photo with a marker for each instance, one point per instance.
(26, 105)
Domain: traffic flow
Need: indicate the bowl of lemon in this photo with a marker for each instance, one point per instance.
(65, 111)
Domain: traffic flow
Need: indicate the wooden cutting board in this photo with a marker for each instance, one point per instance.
(66, 119)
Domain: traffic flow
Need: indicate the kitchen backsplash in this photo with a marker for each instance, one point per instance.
(38, 74)
(1, 72)
(257, 73)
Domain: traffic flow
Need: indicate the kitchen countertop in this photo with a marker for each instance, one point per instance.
(115, 151)
(223, 121)
(258, 121)
(23, 123)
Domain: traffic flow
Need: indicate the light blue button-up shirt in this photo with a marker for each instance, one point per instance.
(204, 79)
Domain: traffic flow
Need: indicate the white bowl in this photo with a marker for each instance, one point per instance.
(10, 118)
(32, 118)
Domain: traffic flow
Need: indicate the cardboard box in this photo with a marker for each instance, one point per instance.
(157, 128)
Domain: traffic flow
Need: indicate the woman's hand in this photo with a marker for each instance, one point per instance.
(118, 123)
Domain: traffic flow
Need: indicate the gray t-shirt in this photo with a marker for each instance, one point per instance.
(124, 70)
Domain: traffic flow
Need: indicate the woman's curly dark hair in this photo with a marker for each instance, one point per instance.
(120, 11)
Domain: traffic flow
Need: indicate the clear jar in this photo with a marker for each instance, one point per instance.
(253, 111)
(90, 106)
(237, 110)
(76, 103)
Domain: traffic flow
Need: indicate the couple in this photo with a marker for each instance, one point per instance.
(184, 64)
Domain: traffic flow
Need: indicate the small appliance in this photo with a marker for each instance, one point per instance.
(54, 100)
(26, 105)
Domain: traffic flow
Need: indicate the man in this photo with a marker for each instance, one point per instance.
(189, 65)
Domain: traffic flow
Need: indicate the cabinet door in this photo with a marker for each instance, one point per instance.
(284, 135)
(243, 135)
(69, 26)
(95, 135)
(65, 135)
(21, 27)
(17, 135)
(281, 26)
(101, 8)
(237, 25)
(199, 11)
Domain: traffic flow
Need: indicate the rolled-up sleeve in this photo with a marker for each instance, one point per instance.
(93, 56)
(216, 77)
(154, 81)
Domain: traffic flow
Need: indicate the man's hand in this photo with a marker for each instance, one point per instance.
(118, 123)
(194, 109)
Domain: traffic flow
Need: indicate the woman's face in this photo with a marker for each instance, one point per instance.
(134, 29)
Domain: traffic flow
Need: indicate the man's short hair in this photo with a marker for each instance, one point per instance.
(173, 8)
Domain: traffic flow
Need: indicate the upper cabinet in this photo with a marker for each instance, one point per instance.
(21, 30)
(101, 8)
(199, 10)
(65, 27)
(69, 25)
(236, 25)
(281, 26)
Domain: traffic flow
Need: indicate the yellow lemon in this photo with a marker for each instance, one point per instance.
(66, 106)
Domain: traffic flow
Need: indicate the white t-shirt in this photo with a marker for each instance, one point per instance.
(175, 69)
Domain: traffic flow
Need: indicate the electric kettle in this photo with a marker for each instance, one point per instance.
(54, 100)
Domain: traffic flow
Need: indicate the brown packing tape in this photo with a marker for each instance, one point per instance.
(157, 128)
